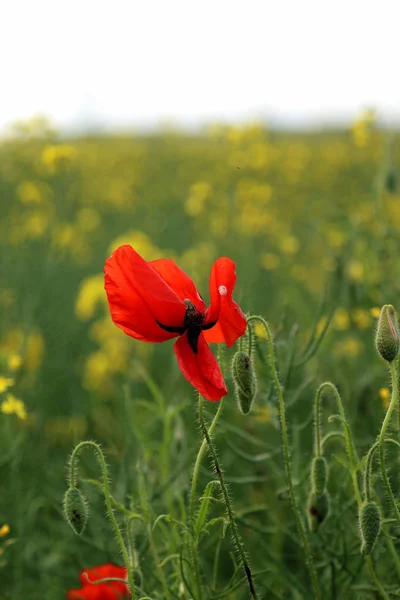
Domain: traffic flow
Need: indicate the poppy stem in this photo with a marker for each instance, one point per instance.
(381, 440)
(286, 455)
(195, 477)
(354, 461)
(228, 504)
(73, 481)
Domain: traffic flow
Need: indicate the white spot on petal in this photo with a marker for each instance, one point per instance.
(222, 290)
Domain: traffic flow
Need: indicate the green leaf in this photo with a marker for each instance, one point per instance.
(343, 462)
(204, 506)
(167, 519)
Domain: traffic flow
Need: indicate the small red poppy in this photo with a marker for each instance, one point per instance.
(111, 590)
(156, 301)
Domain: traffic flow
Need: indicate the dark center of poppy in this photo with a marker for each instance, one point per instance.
(193, 325)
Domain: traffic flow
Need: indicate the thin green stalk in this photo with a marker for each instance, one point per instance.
(146, 511)
(228, 504)
(350, 449)
(286, 454)
(131, 543)
(203, 447)
(195, 477)
(353, 458)
(107, 496)
(374, 577)
(398, 395)
(368, 468)
(381, 440)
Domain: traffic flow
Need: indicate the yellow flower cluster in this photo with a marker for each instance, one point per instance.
(14, 406)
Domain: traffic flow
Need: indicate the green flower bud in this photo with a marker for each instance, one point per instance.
(76, 510)
(319, 475)
(244, 379)
(387, 334)
(370, 526)
(317, 510)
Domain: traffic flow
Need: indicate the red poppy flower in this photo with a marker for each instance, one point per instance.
(112, 590)
(156, 301)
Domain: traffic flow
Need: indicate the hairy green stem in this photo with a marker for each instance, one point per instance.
(286, 454)
(381, 440)
(368, 467)
(350, 449)
(103, 467)
(195, 477)
(228, 504)
(353, 458)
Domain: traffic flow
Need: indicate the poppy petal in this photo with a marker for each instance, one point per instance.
(231, 322)
(177, 279)
(94, 592)
(202, 369)
(138, 297)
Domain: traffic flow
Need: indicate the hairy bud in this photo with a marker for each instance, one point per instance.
(76, 510)
(244, 379)
(387, 334)
(317, 510)
(370, 526)
(319, 475)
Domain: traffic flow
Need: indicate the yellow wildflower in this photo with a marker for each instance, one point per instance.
(375, 311)
(14, 362)
(350, 347)
(4, 530)
(341, 319)
(97, 372)
(64, 235)
(29, 192)
(14, 406)
(138, 240)
(91, 295)
(335, 238)
(34, 351)
(270, 261)
(263, 414)
(5, 383)
(289, 244)
(384, 393)
(36, 225)
(300, 272)
(55, 156)
(199, 192)
(362, 127)
(355, 270)
(88, 219)
(361, 317)
(259, 330)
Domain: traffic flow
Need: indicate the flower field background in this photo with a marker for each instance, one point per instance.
(312, 222)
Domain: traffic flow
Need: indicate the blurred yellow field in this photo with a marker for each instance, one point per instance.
(311, 221)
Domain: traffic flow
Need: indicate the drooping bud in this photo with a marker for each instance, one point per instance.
(319, 475)
(76, 510)
(370, 526)
(317, 510)
(245, 380)
(387, 334)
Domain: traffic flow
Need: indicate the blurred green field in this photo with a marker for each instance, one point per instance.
(312, 222)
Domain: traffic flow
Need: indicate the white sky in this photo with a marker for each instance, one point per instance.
(143, 62)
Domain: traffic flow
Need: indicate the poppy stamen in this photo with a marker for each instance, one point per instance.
(193, 324)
